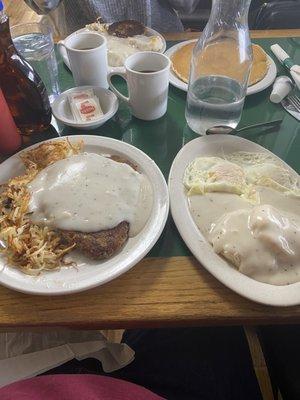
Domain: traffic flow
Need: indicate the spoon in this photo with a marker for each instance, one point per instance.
(223, 129)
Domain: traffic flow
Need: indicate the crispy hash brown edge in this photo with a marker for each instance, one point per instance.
(32, 248)
(29, 247)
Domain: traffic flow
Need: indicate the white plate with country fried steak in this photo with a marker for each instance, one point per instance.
(77, 212)
(124, 38)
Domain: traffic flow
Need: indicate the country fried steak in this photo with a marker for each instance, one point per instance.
(102, 244)
(98, 245)
(127, 28)
(120, 159)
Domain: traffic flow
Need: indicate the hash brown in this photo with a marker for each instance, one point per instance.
(33, 248)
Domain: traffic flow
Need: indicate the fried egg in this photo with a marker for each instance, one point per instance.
(214, 174)
(264, 170)
(271, 175)
(240, 173)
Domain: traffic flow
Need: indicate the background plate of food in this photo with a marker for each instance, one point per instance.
(123, 39)
(237, 207)
(76, 213)
(262, 75)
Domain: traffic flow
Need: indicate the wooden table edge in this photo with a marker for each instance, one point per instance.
(197, 300)
(269, 33)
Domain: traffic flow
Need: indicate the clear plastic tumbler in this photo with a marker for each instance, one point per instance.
(34, 41)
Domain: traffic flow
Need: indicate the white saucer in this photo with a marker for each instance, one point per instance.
(257, 87)
(107, 99)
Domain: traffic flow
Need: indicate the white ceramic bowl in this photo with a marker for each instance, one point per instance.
(62, 111)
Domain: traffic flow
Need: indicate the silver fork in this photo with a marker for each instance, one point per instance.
(295, 101)
(292, 105)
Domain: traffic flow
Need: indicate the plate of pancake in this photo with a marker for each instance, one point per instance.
(262, 75)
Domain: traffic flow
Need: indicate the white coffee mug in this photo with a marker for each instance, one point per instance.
(87, 54)
(147, 77)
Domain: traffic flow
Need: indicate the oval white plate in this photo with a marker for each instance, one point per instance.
(88, 273)
(258, 87)
(149, 32)
(213, 146)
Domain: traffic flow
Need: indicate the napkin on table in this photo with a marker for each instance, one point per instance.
(27, 354)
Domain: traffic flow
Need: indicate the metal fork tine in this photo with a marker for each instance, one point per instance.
(290, 100)
(295, 98)
(294, 102)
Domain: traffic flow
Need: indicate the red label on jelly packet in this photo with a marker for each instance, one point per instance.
(87, 109)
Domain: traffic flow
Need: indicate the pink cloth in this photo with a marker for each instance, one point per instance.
(73, 387)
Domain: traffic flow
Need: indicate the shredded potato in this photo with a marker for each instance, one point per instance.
(30, 247)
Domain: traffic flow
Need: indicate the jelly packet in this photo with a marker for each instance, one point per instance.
(85, 106)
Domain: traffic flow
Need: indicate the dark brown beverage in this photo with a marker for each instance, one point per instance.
(147, 71)
(22, 87)
(84, 48)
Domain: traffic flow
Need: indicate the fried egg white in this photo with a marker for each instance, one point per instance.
(214, 174)
(240, 173)
(264, 170)
(271, 175)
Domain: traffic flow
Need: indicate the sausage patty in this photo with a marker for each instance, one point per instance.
(127, 28)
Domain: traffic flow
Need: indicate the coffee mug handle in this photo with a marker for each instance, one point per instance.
(63, 52)
(113, 88)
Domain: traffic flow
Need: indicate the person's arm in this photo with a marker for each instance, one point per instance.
(42, 6)
(187, 6)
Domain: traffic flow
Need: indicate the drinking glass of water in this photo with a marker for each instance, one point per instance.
(220, 68)
(34, 41)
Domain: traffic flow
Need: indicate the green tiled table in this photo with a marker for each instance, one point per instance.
(169, 287)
